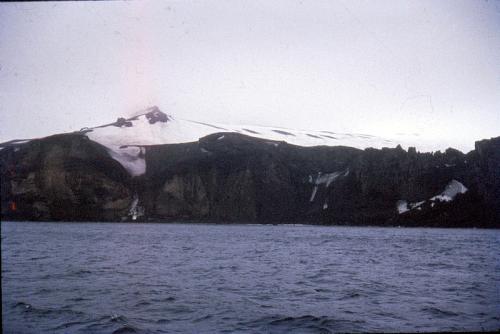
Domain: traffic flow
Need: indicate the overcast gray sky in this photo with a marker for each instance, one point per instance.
(379, 67)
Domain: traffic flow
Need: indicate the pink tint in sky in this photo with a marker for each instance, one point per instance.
(385, 67)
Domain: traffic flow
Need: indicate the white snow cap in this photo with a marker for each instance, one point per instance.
(153, 127)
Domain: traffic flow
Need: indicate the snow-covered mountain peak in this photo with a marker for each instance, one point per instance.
(152, 114)
(156, 115)
(152, 126)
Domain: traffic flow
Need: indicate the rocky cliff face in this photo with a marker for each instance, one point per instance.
(63, 177)
(235, 178)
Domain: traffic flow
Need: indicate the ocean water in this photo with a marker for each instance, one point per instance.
(180, 278)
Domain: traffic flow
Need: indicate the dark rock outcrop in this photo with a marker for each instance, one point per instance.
(155, 115)
(63, 177)
(235, 178)
(120, 122)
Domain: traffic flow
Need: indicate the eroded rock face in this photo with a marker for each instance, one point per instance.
(64, 177)
(235, 178)
(485, 162)
(249, 179)
(183, 196)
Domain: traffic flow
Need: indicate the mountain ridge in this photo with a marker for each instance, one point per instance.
(232, 177)
(126, 138)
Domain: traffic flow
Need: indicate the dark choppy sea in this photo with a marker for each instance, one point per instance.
(174, 278)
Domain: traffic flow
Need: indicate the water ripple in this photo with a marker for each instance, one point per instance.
(167, 278)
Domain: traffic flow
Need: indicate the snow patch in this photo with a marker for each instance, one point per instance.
(416, 205)
(135, 210)
(328, 178)
(325, 179)
(133, 206)
(272, 143)
(22, 141)
(221, 137)
(131, 158)
(451, 191)
(402, 206)
(315, 189)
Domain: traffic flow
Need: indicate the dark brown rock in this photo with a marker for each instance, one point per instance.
(244, 179)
